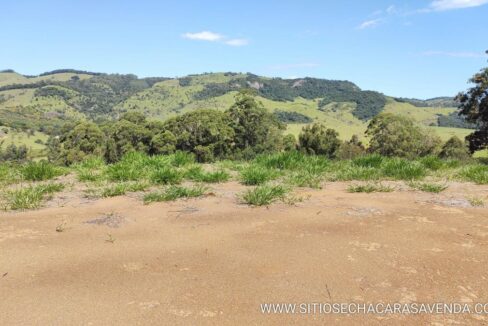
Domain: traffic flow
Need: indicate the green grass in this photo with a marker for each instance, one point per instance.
(368, 161)
(174, 192)
(196, 173)
(264, 195)
(475, 173)
(122, 188)
(31, 196)
(166, 175)
(369, 188)
(292, 161)
(306, 178)
(402, 169)
(257, 174)
(476, 201)
(428, 186)
(40, 171)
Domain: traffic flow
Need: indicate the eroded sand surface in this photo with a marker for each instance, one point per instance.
(211, 260)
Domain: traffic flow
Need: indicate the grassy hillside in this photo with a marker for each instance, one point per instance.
(34, 142)
(46, 102)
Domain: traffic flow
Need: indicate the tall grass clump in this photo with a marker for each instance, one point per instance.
(133, 166)
(475, 173)
(292, 160)
(402, 169)
(257, 174)
(40, 171)
(31, 196)
(175, 192)
(9, 174)
(181, 158)
(196, 173)
(311, 177)
(91, 169)
(166, 175)
(368, 161)
(264, 195)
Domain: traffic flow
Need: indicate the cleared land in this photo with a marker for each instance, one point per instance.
(212, 260)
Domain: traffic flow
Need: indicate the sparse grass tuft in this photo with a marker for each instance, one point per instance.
(476, 201)
(257, 174)
(122, 188)
(428, 187)
(196, 173)
(30, 196)
(174, 192)
(264, 195)
(369, 188)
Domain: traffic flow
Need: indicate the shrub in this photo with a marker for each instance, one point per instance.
(351, 149)
(317, 139)
(455, 148)
(264, 195)
(289, 143)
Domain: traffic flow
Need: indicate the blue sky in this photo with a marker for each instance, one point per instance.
(401, 48)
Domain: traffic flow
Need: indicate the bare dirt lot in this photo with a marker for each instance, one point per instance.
(212, 260)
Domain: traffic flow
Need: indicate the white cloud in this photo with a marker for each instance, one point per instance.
(442, 5)
(391, 10)
(454, 54)
(369, 23)
(295, 65)
(215, 37)
(237, 42)
(204, 36)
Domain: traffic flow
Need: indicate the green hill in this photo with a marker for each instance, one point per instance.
(45, 102)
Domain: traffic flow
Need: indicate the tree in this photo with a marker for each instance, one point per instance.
(76, 143)
(206, 133)
(255, 129)
(289, 142)
(319, 140)
(474, 106)
(393, 135)
(351, 149)
(455, 148)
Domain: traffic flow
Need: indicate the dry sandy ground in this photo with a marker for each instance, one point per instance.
(211, 261)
